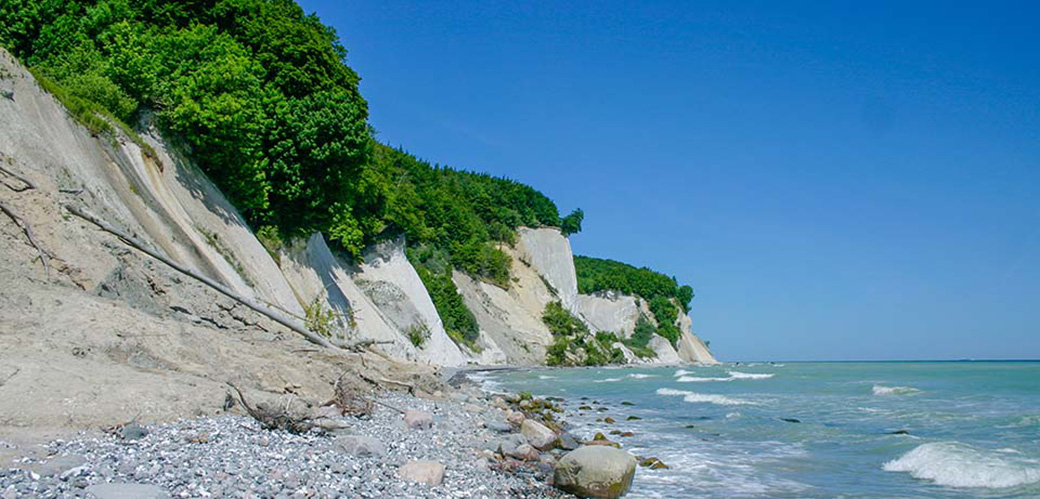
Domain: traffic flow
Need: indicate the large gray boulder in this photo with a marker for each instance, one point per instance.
(596, 471)
(538, 435)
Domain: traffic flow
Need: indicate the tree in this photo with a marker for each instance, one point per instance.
(571, 224)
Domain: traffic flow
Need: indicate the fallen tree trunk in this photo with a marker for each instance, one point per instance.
(245, 300)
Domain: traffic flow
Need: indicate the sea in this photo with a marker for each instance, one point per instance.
(811, 429)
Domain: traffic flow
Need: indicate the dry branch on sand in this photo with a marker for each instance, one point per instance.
(349, 399)
(275, 418)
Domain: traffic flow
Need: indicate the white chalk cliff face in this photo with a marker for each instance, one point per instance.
(542, 272)
(172, 206)
(511, 319)
(548, 252)
(610, 311)
(691, 348)
(394, 287)
(164, 201)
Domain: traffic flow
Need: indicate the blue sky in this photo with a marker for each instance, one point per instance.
(852, 180)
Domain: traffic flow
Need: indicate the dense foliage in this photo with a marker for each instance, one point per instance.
(598, 274)
(435, 273)
(461, 212)
(641, 336)
(572, 340)
(662, 292)
(255, 89)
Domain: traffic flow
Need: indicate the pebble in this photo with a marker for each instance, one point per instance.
(239, 459)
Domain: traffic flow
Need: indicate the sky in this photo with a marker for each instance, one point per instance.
(836, 180)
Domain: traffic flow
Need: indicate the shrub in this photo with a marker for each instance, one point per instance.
(319, 319)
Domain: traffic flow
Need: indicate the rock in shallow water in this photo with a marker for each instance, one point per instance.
(596, 471)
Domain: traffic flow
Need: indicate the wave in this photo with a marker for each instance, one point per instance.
(740, 375)
(608, 380)
(692, 379)
(954, 464)
(894, 390)
(544, 376)
(694, 397)
(642, 376)
(682, 372)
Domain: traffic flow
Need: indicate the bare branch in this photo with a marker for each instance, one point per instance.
(32, 239)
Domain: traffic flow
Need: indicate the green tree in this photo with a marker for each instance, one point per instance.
(571, 224)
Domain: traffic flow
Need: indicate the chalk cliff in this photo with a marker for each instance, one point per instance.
(144, 186)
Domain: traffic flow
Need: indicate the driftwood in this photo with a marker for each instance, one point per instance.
(9, 173)
(249, 302)
(349, 401)
(271, 418)
(29, 235)
(358, 346)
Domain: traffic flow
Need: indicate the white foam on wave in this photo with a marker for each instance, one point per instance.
(682, 372)
(544, 376)
(694, 397)
(642, 376)
(894, 390)
(740, 375)
(954, 464)
(608, 380)
(694, 379)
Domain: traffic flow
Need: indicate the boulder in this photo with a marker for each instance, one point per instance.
(133, 431)
(418, 419)
(507, 444)
(595, 472)
(126, 491)
(538, 435)
(498, 426)
(524, 452)
(566, 441)
(328, 412)
(422, 471)
(359, 445)
(515, 418)
(654, 464)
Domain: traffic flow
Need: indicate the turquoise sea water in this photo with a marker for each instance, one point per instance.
(972, 428)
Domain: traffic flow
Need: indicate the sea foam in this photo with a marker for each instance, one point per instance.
(954, 464)
(894, 390)
(693, 397)
(642, 376)
(740, 375)
(693, 379)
